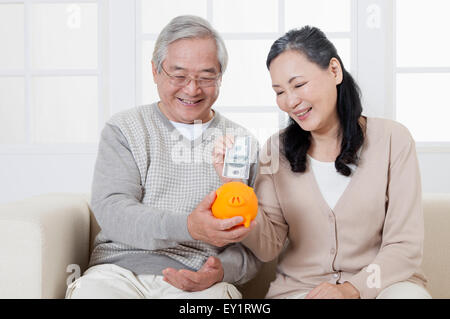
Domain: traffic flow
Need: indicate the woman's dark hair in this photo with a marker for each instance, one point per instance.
(295, 141)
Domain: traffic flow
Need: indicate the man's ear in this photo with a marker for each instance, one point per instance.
(154, 72)
(219, 82)
(336, 70)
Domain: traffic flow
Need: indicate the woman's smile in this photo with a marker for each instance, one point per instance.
(303, 113)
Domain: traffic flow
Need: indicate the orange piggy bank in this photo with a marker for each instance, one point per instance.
(235, 199)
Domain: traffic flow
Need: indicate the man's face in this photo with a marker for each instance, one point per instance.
(193, 58)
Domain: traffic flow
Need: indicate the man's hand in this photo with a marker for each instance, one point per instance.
(210, 273)
(202, 225)
(330, 291)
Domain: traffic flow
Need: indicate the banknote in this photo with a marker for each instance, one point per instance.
(237, 159)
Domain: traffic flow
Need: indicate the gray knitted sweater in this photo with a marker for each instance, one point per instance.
(147, 180)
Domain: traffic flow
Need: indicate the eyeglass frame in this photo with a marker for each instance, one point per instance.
(187, 80)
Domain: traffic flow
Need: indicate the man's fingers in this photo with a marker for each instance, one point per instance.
(225, 224)
(207, 201)
(168, 271)
(189, 285)
(179, 279)
(230, 230)
(231, 236)
(237, 229)
(239, 233)
(210, 263)
(213, 262)
(170, 277)
(189, 277)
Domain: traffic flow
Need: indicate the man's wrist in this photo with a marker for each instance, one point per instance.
(189, 226)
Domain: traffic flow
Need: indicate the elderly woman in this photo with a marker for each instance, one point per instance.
(342, 211)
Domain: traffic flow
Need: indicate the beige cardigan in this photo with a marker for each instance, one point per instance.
(372, 238)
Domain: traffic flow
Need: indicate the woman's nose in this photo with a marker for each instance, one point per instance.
(293, 100)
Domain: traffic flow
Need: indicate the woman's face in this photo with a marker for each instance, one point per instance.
(305, 91)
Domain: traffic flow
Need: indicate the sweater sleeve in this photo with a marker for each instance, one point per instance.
(400, 254)
(267, 239)
(116, 199)
(239, 264)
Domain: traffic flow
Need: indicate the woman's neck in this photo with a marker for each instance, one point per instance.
(326, 143)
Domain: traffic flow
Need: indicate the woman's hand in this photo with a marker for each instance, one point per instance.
(330, 291)
(220, 148)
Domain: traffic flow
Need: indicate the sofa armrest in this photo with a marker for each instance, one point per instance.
(41, 239)
(436, 255)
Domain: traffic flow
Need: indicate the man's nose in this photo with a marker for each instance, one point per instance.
(192, 88)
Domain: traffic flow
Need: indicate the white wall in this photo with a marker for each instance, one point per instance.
(435, 170)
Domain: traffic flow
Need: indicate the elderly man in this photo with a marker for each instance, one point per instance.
(154, 184)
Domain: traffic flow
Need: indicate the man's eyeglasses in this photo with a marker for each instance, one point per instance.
(182, 81)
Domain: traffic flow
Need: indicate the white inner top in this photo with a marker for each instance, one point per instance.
(332, 184)
(191, 131)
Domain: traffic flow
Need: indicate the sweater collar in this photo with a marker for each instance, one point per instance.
(214, 123)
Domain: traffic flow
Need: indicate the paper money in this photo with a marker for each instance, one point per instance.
(237, 159)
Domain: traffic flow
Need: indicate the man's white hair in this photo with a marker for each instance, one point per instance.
(188, 27)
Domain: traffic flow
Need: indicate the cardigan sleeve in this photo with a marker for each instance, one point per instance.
(400, 254)
(267, 239)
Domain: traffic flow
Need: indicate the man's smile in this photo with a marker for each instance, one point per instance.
(189, 102)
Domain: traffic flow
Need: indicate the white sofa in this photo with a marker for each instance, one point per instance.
(44, 240)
